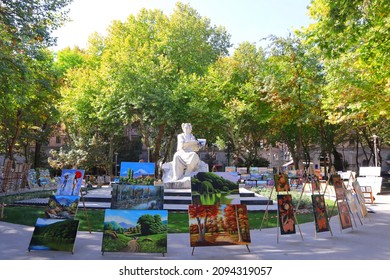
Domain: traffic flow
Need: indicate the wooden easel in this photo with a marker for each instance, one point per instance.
(348, 206)
(278, 214)
(360, 198)
(85, 211)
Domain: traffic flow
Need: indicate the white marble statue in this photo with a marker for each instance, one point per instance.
(185, 160)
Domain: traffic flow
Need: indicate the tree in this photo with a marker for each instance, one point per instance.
(353, 37)
(293, 90)
(150, 224)
(27, 77)
(202, 213)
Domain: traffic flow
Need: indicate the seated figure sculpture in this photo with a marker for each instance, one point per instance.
(185, 160)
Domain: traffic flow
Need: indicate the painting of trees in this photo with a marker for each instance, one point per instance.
(217, 225)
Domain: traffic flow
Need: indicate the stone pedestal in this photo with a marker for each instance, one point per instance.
(184, 183)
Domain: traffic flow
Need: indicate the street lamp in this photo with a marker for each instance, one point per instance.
(375, 157)
(116, 163)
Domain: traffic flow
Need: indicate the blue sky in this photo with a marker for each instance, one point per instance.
(245, 20)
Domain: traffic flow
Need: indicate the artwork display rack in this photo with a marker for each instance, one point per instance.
(266, 214)
(313, 179)
(344, 199)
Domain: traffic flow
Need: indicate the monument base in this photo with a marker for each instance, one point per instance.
(184, 183)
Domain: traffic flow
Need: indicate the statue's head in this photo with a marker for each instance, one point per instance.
(186, 127)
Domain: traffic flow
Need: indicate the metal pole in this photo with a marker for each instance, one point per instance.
(375, 156)
(116, 163)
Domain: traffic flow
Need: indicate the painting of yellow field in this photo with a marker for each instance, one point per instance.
(218, 225)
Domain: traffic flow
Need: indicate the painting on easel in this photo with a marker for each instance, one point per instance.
(286, 214)
(62, 206)
(281, 183)
(315, 184)
(218, 225)
(338, 187)
(360, 198)
(70, 182)
(320, 214)
(345, 217)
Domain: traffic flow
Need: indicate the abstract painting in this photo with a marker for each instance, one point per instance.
(286, 214)
(70, 182)
(135, 170)
(208, 188)
(315, 184)
(345, 217)
(320, 213)
(62, 206)
(218, 225)
(281, 183)
(54, 235)
(135, 231)
(137, 197)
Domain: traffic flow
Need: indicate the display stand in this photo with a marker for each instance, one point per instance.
(85, 211)
(316, 185)
(284, 198)
(266, 213)
(340, 199)
(247, 247)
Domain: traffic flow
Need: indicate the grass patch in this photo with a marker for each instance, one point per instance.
(177, 220)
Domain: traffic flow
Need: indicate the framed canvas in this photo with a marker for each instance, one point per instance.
(208, 188)
(231, 176)
(320, 213)
(54, 235)
(345, 217)
(135, 231)
(70, 182)
(44, 177)
(315, 184)
(135, 170)
(242, 170)
(137, 197)
(286, 214)
(338, 187)
(281, 182)
(351, 201)
(62, 206)
(32, 178)
(360, 198)
(218, 225)
(230, 169)
(254, 170)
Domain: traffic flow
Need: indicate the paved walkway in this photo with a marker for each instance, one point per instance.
(369, 241)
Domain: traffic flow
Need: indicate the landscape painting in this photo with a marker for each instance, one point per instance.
(218, 225)
(320, 213)
(54, 235)
(242, 170)
(62, 206)
(345, 217)
(286, 214)
(208, 188)
(137, 197)
(230, 169)
(135, 231)
(231, 176)
(70, 182)
(136, 170)
(281, 183)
